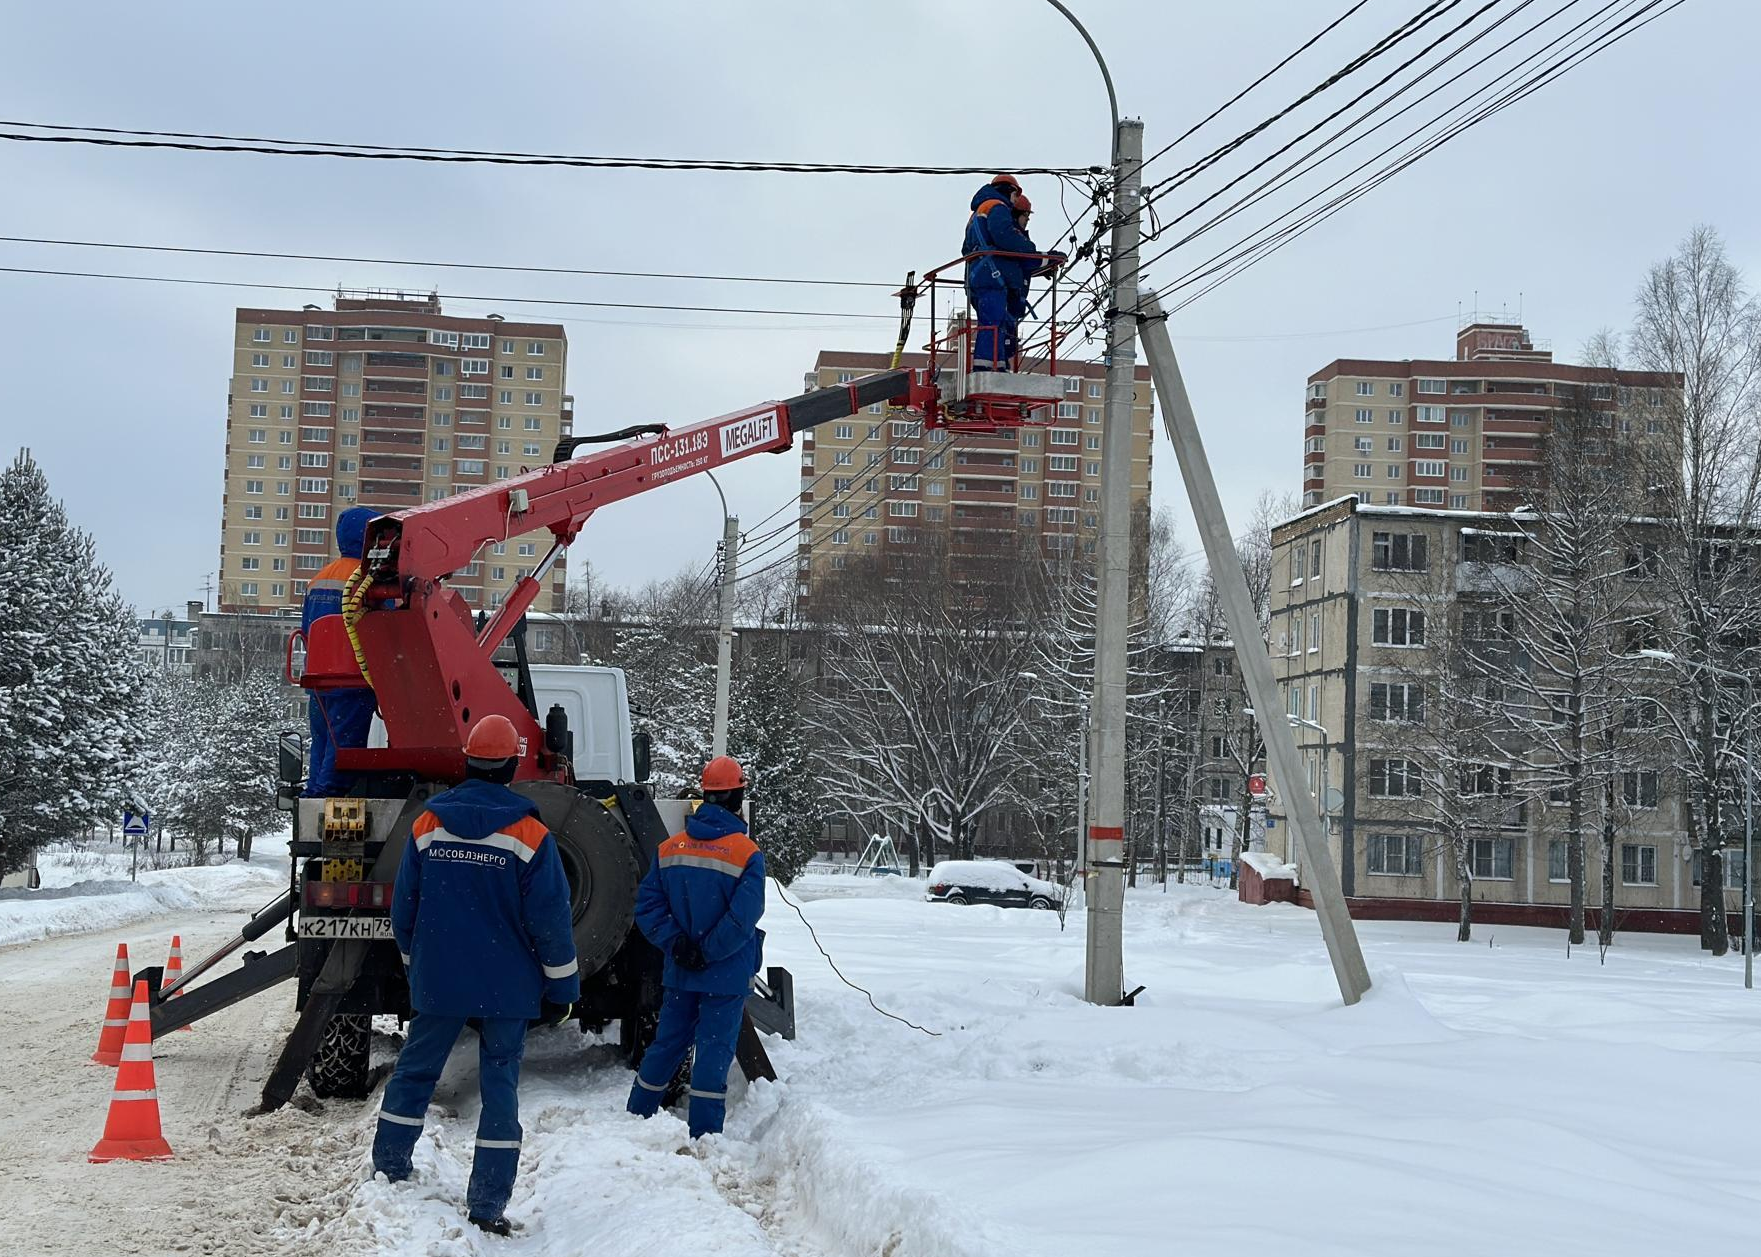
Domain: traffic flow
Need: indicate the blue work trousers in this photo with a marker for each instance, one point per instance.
(712, 1022)
(337, 718)
(501, 1042)
(994, 344)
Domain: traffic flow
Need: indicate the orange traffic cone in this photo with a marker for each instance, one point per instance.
(174, 969)
(131, 1132)
(115, 1013)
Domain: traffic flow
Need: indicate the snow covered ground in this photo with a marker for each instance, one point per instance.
(88, 889)
(1498, 1097)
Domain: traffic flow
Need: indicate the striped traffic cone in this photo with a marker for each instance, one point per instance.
(115, 1013)
(174, 969)
(131, 1132)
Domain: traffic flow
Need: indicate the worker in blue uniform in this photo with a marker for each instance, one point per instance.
(336, 718)
(991, 229)
(481, 916)
(699, 903)
(1018, 273)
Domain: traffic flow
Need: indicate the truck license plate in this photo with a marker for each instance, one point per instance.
(366, 928)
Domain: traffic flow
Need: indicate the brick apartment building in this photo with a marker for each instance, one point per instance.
(875, 480)
(1461, 434)
(387, 402)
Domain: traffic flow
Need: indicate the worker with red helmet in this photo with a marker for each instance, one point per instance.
(481, 916)
(991, 231)
(699, 903)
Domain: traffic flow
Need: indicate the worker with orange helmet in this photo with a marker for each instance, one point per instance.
(481, 915)
(699, 903)
(991, 235)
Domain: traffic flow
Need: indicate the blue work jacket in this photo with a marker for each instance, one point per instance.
(481, 908)
(992, 226)
(706, 883)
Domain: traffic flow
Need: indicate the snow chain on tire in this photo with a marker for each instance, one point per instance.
(339, 1069)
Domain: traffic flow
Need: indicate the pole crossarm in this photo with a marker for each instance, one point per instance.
(1283, 757)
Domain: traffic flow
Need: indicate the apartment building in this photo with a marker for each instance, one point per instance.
(1462, 434)
(385, 401)
(1366, 602)
(873, 481)
(167, 643)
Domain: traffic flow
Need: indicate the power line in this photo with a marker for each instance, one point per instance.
(1399, 34)
(447, 296)
(457, 266)
(1211, 117)
(1246, 258)
(189, 141)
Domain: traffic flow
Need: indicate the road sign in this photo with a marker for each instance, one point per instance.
(1256, 785)
(135, 826)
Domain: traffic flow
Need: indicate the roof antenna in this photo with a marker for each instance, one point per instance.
(1519, 305)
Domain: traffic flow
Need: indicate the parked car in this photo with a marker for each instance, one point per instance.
(990, 881)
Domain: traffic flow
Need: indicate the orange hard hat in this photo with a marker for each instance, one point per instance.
(724, 773)
(1006, 181)
(1022, 204)
(492, 737)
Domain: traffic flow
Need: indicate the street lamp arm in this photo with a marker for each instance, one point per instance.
(1106, 75)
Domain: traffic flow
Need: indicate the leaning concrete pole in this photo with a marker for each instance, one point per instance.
(1318, 873)
(724, 639)
(1104, 971)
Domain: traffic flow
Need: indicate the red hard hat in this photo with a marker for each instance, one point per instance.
(1007, 181)
(1022, 204)
(492, 737)
(724, 773)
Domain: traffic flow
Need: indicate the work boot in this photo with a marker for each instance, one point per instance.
(494, 1226)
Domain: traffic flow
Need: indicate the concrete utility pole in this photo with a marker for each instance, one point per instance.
(724, 641)
(1104, 971)
(1318, 874)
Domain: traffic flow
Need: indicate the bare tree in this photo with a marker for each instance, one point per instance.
(926, 681)
(1697, 321)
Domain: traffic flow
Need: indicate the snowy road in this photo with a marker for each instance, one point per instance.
(1498, 1097)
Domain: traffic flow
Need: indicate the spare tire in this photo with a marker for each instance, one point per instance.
(600, 860)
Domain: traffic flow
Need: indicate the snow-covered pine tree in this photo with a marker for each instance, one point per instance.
(69, 673)
(767, 735)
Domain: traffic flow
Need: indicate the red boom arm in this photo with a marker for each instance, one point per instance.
(433, 672)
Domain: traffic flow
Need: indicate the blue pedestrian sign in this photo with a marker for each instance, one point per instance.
(135, 826)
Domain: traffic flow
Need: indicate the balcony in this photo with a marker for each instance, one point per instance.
(417, 361)
(381, 489)
(391, 465)
(395, 416)
(1316, 403)
(377, 441)
(403, 388)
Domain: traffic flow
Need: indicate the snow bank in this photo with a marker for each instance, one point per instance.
(855, 886)
(1268, 865)
(67, 906)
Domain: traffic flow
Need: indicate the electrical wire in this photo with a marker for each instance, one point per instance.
(447, 296)
(1212, 116)
(452, 266)
(814, 934)
(1247, 257)
(191, 141)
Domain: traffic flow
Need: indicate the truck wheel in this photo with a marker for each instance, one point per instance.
(339, 1068)
(599, 858)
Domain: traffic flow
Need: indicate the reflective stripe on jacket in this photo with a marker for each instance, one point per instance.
(706, 883)
(481, 908)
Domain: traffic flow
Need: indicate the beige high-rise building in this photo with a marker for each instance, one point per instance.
(875, 479)
(386, 402)
(1459, 434)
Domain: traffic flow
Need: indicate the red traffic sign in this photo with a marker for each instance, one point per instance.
(1256, 785)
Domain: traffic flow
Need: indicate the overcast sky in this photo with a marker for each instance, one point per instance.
(1560, 201)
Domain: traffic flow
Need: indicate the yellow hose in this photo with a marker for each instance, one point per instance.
(354, 592)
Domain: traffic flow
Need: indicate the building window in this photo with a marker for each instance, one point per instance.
(1638, 864)
(1366, 415)
(261, 336)
(1069, 410)
(1396, 779)
(467, 366)
(507, 371)
(1314, 631)
(1396, 388)
(1363, 471)
(1491, 858)
(1639, 789)
(1429, 414)
(1366, 388)
(1431, 386)
(1429, 467)
(1397, 626)
(1399, 701)
(1398, 552)
(249, 564)
(535, 349)
(1424, 441)
(1395, 855)
(535, 399)
(253, 486)
(1064, 436)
